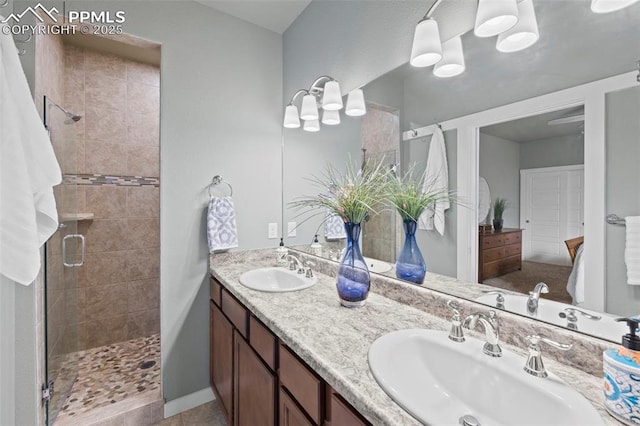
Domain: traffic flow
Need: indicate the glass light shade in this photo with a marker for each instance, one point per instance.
(331, 117)
(524, 33)
(495, 16)
(311, 126)
(309, 108)
(355, 104)
(606, 6)
(452, 62)
(426, 49)
(291, 119)
(332, 98)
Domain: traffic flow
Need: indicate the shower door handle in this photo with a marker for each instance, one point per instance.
(64, 250)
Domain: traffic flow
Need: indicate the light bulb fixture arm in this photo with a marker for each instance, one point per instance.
(298, 93)
(432, 9)
(321, 79)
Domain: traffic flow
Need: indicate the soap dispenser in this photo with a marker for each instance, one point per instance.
(281, 254)
(622, 376)
(316, 247)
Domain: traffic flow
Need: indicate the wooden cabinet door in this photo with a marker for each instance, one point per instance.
(222, 359)
(340, 413)
(255, 387)
(290, 413)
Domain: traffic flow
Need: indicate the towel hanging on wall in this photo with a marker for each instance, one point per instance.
(632, 250)
(28, 172)
(333, 227)
(436, 179)
(222, 232)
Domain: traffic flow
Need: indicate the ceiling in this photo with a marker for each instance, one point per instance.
(536, 128)
(274, 15)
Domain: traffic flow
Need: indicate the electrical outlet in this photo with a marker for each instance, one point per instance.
(273, 230)
(291, 229)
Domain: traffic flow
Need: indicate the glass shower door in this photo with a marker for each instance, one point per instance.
(64, 253)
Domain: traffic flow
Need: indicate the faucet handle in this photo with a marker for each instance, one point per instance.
(308, 272)
(455, 333)
(499, 298)
(534, 365)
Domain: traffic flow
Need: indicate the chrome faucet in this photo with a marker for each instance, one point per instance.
(455, 333)
(534, 365)
(572, 318)
(295, 264)
(490, 325)
(534, 297)
(308, 272)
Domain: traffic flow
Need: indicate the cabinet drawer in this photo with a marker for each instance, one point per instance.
(214, 289)
(498, 253)
(501, 267)
(236, 313)
(490, 241)
(340, 413)
(303, 384)
(512, 237)
(263, 342)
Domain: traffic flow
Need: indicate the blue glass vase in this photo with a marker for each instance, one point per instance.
(410, 265)
(353, 279)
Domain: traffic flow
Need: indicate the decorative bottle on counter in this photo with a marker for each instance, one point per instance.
(622, 377)
(410, 265)
(281, 254)
(353, 280)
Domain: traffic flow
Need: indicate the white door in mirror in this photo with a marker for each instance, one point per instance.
(276, 279)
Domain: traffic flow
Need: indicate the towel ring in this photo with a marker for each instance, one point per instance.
(4, 3)
(217, 180)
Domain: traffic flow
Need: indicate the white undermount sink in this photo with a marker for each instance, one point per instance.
(276, 279)
(439, 381)
(377, 266)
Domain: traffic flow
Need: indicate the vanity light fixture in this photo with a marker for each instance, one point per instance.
(325, 93)
(452, 62)
(513, 21)
(331, 117)
(524, 33)
(606, 6)
(494, 17)
(355, 104)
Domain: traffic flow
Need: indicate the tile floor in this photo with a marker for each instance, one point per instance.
(209, 414)
(111, 374)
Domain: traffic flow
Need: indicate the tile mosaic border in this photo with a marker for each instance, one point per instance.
(98, 180)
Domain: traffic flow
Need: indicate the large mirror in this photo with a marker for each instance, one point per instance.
(547, 162)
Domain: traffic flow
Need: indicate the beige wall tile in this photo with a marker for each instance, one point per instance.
(106, 301)
(143, 161)
(143, 129)
(105, 92)
(143, 201)
(106, 201)
(106, 125)
(143, 323)
(104, 331)
(142, 233)
(100, 64)
(143, 73)
(106, 235)
(74, 88)
(144, 295)
(142, 98)
(73, 57)
(105, 158)
(121, 266)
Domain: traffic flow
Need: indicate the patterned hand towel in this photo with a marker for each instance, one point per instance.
(222, 232)
(333, 227)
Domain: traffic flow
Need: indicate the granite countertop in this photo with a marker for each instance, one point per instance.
(334, 341)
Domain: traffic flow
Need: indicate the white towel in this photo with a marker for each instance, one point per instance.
(632, 250)
(28, 172)
(436, 179)
(575, 283)
(333, 227)
(222, 233)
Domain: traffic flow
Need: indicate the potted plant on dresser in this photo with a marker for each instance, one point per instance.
(499, 207)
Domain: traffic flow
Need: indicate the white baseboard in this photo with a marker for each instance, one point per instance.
(187, 402)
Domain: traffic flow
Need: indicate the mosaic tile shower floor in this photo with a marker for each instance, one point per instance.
(110, 374)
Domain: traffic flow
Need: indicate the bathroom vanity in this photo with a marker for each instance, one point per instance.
(299, 358)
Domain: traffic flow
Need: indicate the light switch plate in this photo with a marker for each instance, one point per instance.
(273, 230)
(291, 229)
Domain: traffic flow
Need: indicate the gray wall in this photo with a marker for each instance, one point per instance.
(623, 199)
(439, 251)
(221, 110)
(552, 152)
(499, 164)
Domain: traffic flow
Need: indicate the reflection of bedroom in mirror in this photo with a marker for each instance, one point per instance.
(536, 164)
